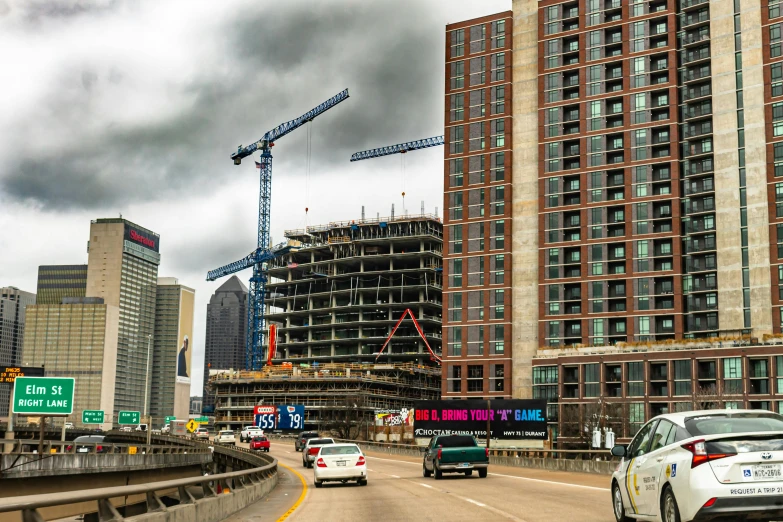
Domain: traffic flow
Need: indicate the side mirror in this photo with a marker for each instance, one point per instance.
(423, 449)
(619, 451)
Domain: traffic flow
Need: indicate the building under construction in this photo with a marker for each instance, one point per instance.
(342, 398)
(335, 302)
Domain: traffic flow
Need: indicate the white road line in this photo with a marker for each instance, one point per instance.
(395, 476)
(474, 502)
(553, 482)
(425, 485)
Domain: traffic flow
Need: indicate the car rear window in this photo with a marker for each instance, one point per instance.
(89, 438)
(259, 439)
(734, 423)
(226, 432)
(456, 441)
(320, 442)
(340, 450)
(309, 435)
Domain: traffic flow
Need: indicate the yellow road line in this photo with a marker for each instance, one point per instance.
(301, 497)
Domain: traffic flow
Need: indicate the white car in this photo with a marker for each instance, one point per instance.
(69, 425)
(311, 448)
(225, 437)
(340, 462)
(702, 465)
(248, 432)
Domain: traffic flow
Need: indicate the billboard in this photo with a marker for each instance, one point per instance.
(185, 336)
(403, 417)
(508, 418)
(283, 417)
(143, 238)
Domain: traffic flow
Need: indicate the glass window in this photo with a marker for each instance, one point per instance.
(640, 445)
(661, 436)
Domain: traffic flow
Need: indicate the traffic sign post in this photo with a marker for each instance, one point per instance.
(129, 417)
(92, 417)
(43, 395)
(192, 425)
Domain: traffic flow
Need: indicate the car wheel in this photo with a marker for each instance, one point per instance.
(362, 482)
(617, 504)
(468, 472)
(318, 483)
(482, 473)
(438, 472)
(670, 512)
(427, 473)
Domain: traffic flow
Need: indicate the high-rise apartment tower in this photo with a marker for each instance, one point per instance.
(477, 259)
(13, 303)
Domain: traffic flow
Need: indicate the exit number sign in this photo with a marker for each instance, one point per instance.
(43, 395)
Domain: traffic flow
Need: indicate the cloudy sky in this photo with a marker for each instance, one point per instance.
(134, 107)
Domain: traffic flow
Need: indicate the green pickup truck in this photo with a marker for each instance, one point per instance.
(454, 454)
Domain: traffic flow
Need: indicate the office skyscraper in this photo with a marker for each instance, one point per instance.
(13, 303)
(170, 392)
(224, 347)
(122, 268)
(58, 281)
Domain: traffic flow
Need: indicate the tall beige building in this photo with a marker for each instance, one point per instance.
(122, 269)
(171, 371)
(76, 339)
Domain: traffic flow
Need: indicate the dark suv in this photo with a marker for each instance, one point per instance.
(302, 439)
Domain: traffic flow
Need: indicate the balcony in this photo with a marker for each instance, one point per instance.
(695, 55)
(691, 75)
(690, 19)
(697, 92)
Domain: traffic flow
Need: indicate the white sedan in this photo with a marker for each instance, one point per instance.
(702, 465)
(340, 463)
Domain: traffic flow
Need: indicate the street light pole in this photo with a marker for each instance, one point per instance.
(147, 390)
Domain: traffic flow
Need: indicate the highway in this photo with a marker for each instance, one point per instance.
(396, 491)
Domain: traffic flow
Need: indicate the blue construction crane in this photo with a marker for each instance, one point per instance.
(401, 148)
(254, 348)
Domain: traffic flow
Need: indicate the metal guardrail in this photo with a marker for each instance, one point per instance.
(25, 447)
(29, 504)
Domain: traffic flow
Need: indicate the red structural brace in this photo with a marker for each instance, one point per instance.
(272, 344)
(433, 355)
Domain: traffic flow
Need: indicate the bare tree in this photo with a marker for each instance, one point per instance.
(346, 418)
(578, 421)
(708, 397)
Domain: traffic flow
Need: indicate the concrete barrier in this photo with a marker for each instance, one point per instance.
(211, 509)
(601, 467)
(33, 465)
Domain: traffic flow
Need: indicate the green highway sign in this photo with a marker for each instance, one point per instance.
(202, 420)
(170, 418)
(128, 417)
(43, 395)
(92, 417)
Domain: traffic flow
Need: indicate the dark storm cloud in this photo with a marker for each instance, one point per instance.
(283, 61)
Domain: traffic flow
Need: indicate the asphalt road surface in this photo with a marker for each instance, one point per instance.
(396, 491)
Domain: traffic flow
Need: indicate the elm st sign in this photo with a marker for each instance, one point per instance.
(43, 395)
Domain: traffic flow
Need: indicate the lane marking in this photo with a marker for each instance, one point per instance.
(395, 476)
(425, 485)
(595, 488)
(512, 476)
(301, 497)
(474, 502)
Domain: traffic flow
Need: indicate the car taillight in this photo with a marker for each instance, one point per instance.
(69, 448)
(710, 502)
(320, 463)
(313, 451)
(486, 451)
(699, 450)
(440, 453)
(360, 462)
(99, 449)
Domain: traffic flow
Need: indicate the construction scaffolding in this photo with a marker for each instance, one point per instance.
(338, 298)
(334, 395)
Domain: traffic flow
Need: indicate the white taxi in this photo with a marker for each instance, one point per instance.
(702, 465)
(340, 463)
